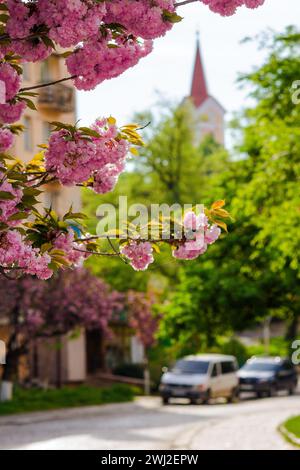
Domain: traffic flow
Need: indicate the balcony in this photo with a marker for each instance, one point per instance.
(57, 97)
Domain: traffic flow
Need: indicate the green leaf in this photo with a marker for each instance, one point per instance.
(19, 216)
(172, 17)
(6, 195)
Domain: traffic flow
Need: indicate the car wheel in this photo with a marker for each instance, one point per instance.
(292, 390)
(194, 401)
(234, 396)
(165, 400)
(207, 397)
(272, 391)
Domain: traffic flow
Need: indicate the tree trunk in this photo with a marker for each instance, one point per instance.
(147, 379)
(10, 371)
(292, 328)
(58, 361)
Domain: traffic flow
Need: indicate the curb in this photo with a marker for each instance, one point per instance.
(33, 417)
(289, 436)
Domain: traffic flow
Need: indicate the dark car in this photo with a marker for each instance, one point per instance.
(267, 375)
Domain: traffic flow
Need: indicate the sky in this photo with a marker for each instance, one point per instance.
(167, 72)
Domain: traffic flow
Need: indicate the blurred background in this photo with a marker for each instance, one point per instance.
(221, 98)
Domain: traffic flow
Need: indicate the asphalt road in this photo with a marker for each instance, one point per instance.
(146, 424)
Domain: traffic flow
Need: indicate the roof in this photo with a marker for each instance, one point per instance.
(199, 90)
(210, 357)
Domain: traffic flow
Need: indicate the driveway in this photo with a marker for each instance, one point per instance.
(146, 424)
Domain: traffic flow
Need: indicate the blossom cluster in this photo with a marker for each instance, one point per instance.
(6, 139)
(71, 22)
(10, 109)
(139, 254)
(14, 251)
(34, 27)
(9, 205)
(143, 18)
(100, 59)
(107, 37)
(74, 158)
(229, 7)
(199, 234)
(74, 252)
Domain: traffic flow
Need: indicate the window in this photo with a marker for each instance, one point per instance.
(27, 135)
(46, 131)
(261, 366)
(26, 71)
(214, 372)
(191, 367)
(45, 71)
(227, 367)
(51, 199)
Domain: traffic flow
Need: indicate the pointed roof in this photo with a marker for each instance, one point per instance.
(199, 91)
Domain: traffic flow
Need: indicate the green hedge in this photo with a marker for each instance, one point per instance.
(25, 400)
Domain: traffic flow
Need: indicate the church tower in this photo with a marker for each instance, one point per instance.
(209, 113)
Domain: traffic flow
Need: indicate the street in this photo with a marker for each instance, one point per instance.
(146, 424)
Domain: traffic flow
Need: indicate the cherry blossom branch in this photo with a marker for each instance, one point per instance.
(99, 253)
(186, 2)
(43, 85)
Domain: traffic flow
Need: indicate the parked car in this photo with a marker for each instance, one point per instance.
(267, 375)
(200, 378)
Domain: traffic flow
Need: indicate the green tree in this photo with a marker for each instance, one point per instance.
(172, 168)
(254, 272)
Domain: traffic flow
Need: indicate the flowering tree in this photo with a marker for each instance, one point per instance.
(102, 39)
(36, 309)
(141, 318)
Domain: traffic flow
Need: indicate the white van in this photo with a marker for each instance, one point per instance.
(200, 378)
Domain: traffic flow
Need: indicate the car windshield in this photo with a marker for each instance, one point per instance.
(190, 367)
(260, 367)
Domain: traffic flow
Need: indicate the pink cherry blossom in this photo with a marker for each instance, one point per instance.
(70, 160)
(142, 18)
(71, 22)
(66, 243)
(15, 252)
(8, 207)
(212, 234)
(229, 7)
(199, 234)
(96, 61)
(10, 113)
(11, 79)
(140, 254)
(6, 139)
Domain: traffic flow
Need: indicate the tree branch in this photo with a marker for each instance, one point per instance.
(43, 85)
(186, 2)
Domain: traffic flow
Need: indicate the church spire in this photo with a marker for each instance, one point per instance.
(199, 91)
